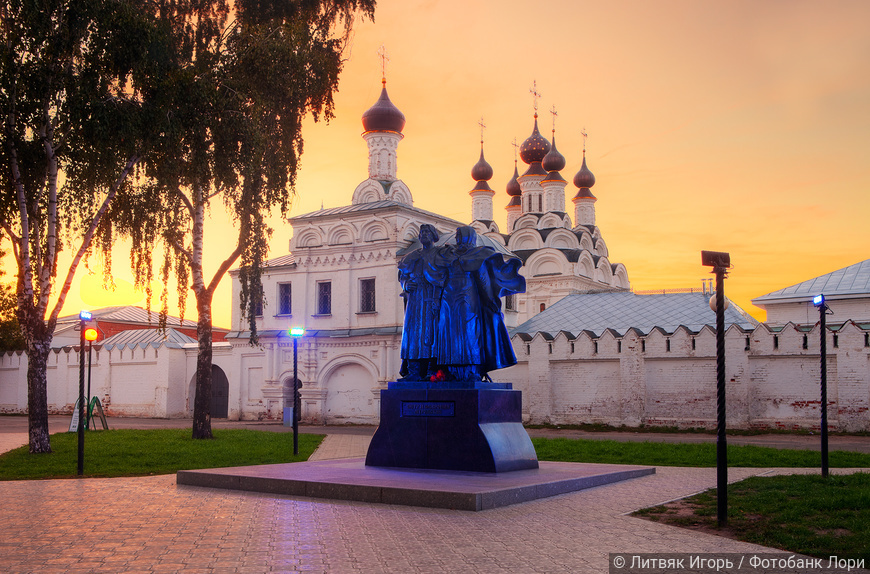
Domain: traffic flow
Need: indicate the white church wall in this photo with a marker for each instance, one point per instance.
(669, 379)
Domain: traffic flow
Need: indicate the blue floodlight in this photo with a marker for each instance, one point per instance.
(85, 315)
(297, 331)
(819, 300)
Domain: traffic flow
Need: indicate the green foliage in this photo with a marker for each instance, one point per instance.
(697, 455)
(807, 514)
(10, 332)
(163, 451)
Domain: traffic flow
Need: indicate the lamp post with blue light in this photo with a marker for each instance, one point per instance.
(819, 301)
(296, 332)
(84, 317)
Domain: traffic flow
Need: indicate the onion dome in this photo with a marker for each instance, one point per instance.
(513, 186)
(584, 177)
(384, 116)
(516, 200)
(535, 147)
(553, 161)
(481, 171)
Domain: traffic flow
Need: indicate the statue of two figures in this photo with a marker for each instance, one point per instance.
(454, 329)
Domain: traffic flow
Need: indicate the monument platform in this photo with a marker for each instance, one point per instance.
(351, 479)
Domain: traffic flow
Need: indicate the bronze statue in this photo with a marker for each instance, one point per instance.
(470, 337)
(422, 304)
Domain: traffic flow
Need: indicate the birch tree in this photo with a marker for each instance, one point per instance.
(74, 91)
(254, 75)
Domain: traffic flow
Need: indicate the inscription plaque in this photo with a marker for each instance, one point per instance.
(428, 408)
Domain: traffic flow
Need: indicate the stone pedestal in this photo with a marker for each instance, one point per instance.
(460, 426)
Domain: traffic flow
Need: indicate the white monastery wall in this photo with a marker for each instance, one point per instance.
(772, 381)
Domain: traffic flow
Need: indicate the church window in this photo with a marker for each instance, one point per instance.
(867, 339)
(595, 348)
(619, 346)
(776, 341)
(806, 343)
(693, 343)
(258, 307)
(324, 298)
(284, 298)
(509, 302)
(643, 345)
(836, 341)
(367, 295)
(540, 207)
(543, 306)
(746, 348)
(667, 345)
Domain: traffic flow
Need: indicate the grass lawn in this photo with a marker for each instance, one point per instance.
(798, 513)
(125, 452)
(698, 455)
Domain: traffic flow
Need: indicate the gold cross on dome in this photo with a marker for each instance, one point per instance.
(555, 113)
(482, 127)
(516, 147)
(382, 53)
(535, 95)
(583, 133)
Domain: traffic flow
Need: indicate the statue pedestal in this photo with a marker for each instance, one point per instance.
(452, 426)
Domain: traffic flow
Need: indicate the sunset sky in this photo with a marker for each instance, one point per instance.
(738, 126)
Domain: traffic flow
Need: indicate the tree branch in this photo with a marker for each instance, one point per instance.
(224, 267)
(86, 241)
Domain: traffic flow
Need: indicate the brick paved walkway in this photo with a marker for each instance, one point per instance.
(150, 524)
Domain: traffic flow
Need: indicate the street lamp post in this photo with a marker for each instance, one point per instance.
(720, 263)
(819, 301)
(296, 332)
(90, 336)
(84, 317)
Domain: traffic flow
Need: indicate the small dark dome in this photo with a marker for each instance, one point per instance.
(584, 177)
(515, 200)
(535, 169)
(383, 116)
(553, 161)
(513, 186)
(482, 186)
(481, 171)
(535, 147)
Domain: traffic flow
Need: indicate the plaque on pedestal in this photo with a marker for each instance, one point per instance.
(471, 426)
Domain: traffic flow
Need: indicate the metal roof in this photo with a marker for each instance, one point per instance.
(144, 337)
(848, 282)
(621, 311)
(370, 206)
(128, 314)
(288, 259)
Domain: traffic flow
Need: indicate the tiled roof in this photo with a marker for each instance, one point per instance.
(853, 280)
(144, 337)
(621, 311)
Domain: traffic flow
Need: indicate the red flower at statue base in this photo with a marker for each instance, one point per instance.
(438, 377)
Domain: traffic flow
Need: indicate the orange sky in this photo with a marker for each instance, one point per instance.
(734, 126)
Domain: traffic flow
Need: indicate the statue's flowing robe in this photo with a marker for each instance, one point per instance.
(471, 329)
(422, 304)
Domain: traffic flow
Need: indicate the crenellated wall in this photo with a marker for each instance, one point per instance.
(669, 379)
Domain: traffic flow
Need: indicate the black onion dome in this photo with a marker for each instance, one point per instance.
(481, 171)
(513, 186)
(384, 116)
(553, 161)
(584, 177)
(535, 147)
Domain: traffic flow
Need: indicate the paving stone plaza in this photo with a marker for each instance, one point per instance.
(150, 524)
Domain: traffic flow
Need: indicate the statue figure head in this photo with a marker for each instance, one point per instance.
(428, 235)
(466, 238)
